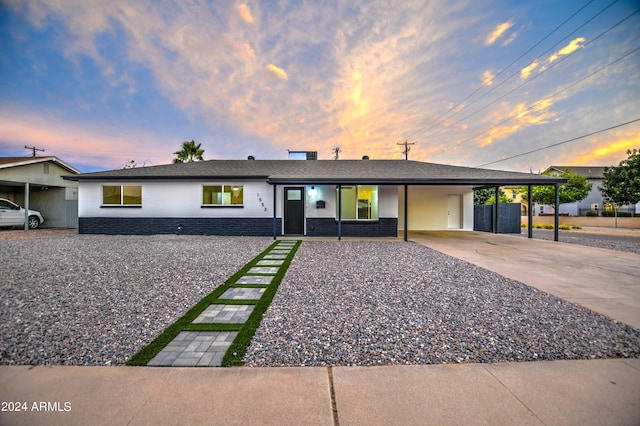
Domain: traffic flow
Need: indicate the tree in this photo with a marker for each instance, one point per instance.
(576, 189)
(621, 184)
(189, 153)
(480, 196)
(502, 199)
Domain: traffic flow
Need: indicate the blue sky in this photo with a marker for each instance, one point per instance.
(101, 83)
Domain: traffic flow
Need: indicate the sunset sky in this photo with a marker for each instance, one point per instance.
(101, 83)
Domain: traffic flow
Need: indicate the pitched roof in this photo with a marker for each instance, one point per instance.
(591, 172)
(8, 162)
(392, 172)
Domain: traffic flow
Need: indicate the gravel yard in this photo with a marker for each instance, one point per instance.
(71, 299)
(370, 303)
(627, 243)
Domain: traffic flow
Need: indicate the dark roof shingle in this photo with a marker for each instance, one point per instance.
(325, 172)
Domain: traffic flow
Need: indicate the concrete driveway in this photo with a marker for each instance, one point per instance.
(605, 281)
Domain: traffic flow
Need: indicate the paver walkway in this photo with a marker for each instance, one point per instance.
(207, 348)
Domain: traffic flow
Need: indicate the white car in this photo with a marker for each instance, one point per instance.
(12, 214)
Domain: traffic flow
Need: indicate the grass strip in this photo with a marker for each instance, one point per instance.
(238, 348)
(146, 354)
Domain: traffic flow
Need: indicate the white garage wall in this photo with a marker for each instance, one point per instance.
(428, 207)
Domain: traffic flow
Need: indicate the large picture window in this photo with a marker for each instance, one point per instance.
(122, 195)
(359, 202)
(222, 195)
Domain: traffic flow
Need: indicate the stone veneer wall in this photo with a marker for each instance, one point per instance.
(328, 227)
(184, 226)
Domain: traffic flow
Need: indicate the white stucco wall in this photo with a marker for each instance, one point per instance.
(428, 207)
(177, 199)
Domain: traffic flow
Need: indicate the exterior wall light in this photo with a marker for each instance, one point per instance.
(313, 191)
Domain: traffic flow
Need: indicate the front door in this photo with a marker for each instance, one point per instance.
(294, 210)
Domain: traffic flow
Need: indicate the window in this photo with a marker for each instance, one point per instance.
(122, 195)
(359, 202)
(222, 195)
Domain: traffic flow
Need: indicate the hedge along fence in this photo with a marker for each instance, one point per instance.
(583, 221)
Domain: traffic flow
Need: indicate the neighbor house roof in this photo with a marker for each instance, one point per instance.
(590, 172)
(8, 162)
(390, 172)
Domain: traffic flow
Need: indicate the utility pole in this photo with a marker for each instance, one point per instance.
(406, 148)
(34, 149)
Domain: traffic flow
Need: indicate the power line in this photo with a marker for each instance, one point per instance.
(558, 62)
(552, 95)
(436, 121)
(559, 143)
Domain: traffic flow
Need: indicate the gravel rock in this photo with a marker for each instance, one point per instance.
(371, 303)
(626, 243)
(72, 299)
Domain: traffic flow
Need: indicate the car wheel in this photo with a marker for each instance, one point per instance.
(34, 222)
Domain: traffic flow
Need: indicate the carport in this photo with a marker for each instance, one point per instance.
(36, 183)
(410, 174)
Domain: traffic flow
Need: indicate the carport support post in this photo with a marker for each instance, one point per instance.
(495, 210)
(275, 219)
(406, 211)
(530, 211)
(339, 212)
(556, 220)
(26, 206)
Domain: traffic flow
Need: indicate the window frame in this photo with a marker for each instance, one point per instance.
(340, 203)
(122, 195)
(223, 205)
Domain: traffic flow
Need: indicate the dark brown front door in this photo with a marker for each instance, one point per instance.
(294, 210)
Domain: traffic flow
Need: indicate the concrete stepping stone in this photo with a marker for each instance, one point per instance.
(240, 293)
(279, 251)
(195, 349)
(270, 262)
(228, 314)
(255, 279)
(263, 270)
(274, 256)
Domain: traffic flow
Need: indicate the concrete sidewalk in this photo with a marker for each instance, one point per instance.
(538, 393)
(591, 392)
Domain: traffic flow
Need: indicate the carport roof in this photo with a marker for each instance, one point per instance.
(9, 162)
(391, 172)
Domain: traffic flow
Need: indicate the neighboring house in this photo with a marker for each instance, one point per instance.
(41, 178)
(290, 197)
(594, 201)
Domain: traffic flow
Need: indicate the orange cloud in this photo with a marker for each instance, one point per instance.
(568, 49)
(608, 150)
(278, 72)
(523, 117)
(243, 11)
(487, 78)
(526, 71)
(498, 31)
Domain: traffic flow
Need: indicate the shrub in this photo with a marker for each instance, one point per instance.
(577, 227)
(523, 225)
(591, 213)
(548, 226)
(610, 213)
(565, 227)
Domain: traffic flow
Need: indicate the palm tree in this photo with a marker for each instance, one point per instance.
(189, 153)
